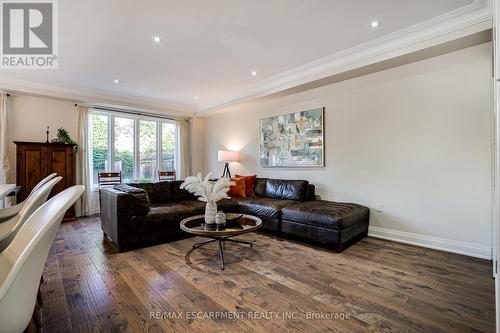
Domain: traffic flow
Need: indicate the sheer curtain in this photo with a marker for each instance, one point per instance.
(184, 160)
(4, 141)
(82, 174)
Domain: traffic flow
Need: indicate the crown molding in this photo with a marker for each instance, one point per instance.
(467, 20)
(95, 97)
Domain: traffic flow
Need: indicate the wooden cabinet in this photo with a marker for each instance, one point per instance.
(35, 160)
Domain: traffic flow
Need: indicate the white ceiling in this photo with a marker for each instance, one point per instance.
(210, 48)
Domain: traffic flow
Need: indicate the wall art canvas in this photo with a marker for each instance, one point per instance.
(293, 140)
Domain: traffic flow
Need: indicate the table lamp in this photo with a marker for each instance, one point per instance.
(227, 156)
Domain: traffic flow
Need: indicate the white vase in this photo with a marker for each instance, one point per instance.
(210, 211)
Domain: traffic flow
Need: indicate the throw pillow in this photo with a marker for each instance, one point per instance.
(237, 190)
(249, 185)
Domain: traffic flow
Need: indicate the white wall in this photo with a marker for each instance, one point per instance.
(415, 138)
(29, 117)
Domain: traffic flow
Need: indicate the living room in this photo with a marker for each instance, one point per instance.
(268, 166)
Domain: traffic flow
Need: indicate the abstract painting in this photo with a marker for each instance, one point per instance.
(293, 140)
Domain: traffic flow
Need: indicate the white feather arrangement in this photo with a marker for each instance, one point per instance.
(206, 190)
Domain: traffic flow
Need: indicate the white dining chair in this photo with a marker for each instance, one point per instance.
(22, 262)
(7, 213)
(9, 228)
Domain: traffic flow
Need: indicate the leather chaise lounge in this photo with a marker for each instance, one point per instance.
(332, 223)
(143, 213)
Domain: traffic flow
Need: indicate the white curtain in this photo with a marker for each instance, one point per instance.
(82, 175)
(184, 160)
(4, 141)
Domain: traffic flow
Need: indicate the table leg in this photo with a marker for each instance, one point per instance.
(220, 245)
(238, 241)
(221, 254)
(203, 243)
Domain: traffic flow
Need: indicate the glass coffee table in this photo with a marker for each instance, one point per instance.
(196, 225)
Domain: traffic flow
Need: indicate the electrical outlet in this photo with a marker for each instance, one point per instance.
(380, 207)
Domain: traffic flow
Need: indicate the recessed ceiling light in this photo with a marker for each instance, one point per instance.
(254, 73)
(157, 39)
(374, 24)
(116, 81)
(195, 98)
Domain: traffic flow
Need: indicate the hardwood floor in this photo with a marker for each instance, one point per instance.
(374, 286)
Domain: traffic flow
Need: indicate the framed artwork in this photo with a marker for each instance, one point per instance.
(293, 140)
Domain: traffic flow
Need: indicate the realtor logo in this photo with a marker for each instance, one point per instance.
(29, 36)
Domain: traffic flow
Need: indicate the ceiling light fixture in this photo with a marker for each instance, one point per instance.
(195, 98)
(374, 24)
(254, 73)
(116, 81)
(157, 39)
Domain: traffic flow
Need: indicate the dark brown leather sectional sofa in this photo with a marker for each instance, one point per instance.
(142, 213)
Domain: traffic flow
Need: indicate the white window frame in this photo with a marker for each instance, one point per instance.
(111, 115)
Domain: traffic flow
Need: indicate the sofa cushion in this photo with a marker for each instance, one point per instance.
(261, 206)
(327, 214)
(179, 194)
(287, 189)
(228, 205)
(197, 207)
(170, 213)
(140, 203)
(159, 192)
(260, 187)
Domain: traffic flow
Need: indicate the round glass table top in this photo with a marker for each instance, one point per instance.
(196, 225)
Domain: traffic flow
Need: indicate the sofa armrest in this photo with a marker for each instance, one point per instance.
(311, 192)
(139, 199)
(115, 210)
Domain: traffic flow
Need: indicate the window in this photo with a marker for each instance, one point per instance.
(148, 149)
(136, 146)
(100, 148)
(123, 143)
(168, 134)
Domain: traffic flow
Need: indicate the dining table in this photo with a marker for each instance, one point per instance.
(5, 190)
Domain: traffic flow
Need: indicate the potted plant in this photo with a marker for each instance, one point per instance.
(63, 137)
(208, 191)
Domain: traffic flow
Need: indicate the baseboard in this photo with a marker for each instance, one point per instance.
(437, 243)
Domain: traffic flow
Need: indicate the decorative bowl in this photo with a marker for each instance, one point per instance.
(233, 216)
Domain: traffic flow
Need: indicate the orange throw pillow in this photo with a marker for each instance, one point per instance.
(249, 185)
(237, 190)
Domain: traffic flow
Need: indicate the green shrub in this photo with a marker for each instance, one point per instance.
(100, 156)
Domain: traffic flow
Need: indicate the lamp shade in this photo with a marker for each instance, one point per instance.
(228, 156)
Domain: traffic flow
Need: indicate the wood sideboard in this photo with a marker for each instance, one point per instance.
(36, 160)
